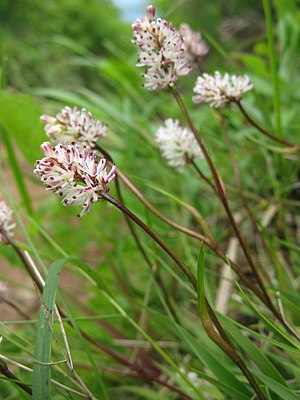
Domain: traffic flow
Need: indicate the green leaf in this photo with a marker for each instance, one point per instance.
(256, 355)
(207, 352)
(282, 391)
(41, 382)
(267, 321)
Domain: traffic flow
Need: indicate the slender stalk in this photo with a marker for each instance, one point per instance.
(262, 130)
(134, 366)
(138, 242)
(279, 315)
(238, 183)
(154, 210)
(224, 343)
(153, 235)
(273, 65)
(161, 216)
(15, 307)
(202, 176)
(210, 243)
(221, 340)
(223, 197)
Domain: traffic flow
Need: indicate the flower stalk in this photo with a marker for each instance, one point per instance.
(264, 131)
(133, 366)
(220, 339)
(223, 197)
(264, 296)
(209, 242)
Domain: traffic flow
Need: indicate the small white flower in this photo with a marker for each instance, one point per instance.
(74, 125)
(194, 46)
(6, 225)
(219, 90)
(74, 173)
(177, 144)
(161, 48)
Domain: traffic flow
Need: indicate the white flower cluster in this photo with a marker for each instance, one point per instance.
(194, 46)
(73, 173)
(74, 125)
(219, 90)
(161, 48)
(177, 144)
(6, 224)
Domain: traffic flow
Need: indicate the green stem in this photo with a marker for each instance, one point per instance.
(273, 65)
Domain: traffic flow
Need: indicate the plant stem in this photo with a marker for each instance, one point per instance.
(237, 179)
(222, 341)
(261, 294)
(262, 130)
(253, 219)
(223, 197)
(200, 173)
(210, 243)
(273, 65)
(138, 242)
(153, 235)
(140, 371)
(154, 210)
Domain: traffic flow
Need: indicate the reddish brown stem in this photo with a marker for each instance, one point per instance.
(210, 243)
(220, 339)
(223, 197)
(139, 369)
(262, 130)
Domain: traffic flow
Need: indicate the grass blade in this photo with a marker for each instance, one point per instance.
(41, 383)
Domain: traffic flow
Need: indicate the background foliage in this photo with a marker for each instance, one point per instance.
(56, 53)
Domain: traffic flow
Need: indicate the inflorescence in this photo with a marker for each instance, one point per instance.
(161, 49)
(219, 90)
(194, 46)
(74, 173)
(74, 125)
(177, 144)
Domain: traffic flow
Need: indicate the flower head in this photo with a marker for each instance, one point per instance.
(177, 144)
(194, 46)
(219, 90)
(74, 125)
(74, 173)
(161, 49)
(6, 225)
